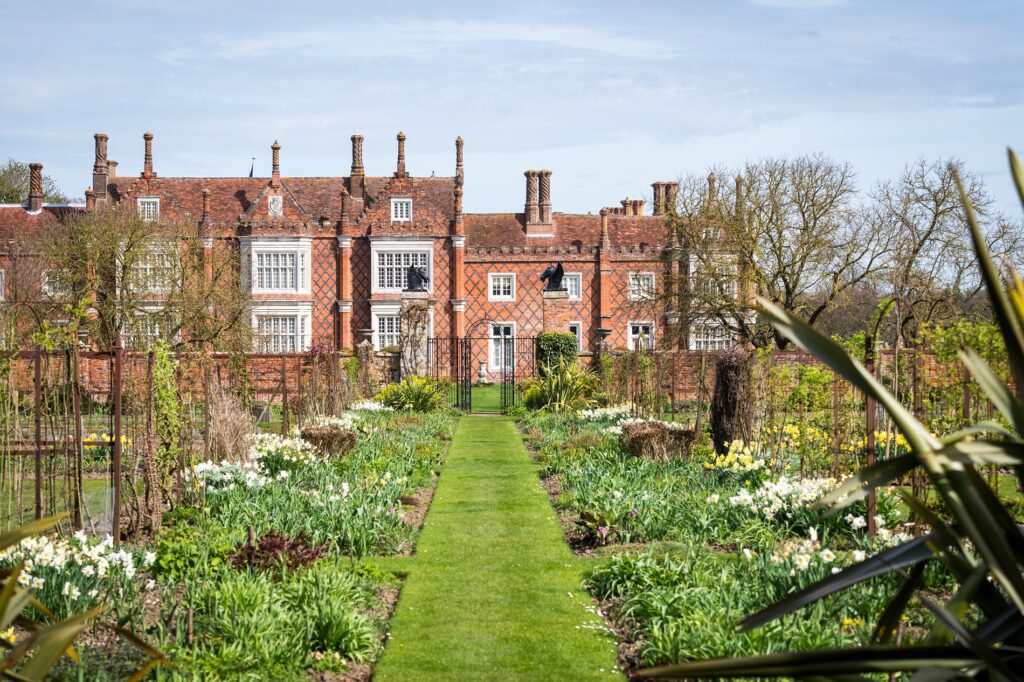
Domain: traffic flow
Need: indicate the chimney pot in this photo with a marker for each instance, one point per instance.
(458, 161)
(357, 156)
(112, 168)
(99, 168)
(532, 210)
(275, 165)
(671, 191)
(545, 196)
(659, 197)
(147, 166)
(400, 170)
(206, 205)
(35, 187)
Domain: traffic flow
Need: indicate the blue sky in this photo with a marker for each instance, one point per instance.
(609, 95)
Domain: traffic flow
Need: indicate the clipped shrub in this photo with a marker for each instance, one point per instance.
(553, 348)
(329, 441)
(533, 398)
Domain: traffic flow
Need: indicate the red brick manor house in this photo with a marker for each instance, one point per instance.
(326, 257)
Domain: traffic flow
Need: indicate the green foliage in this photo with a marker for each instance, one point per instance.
(14, 185)
(166, 413)
(554, 348)
(418, 394)
(187, 552)
(972, 631)
(566, 387)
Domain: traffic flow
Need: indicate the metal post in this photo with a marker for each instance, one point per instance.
(869, 406)
(118, 360)
(39, 432)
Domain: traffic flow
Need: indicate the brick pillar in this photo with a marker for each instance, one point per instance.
(343, 333)
(458, 296)
(557, 312)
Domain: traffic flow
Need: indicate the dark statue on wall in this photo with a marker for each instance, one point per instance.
(553, 275)
(416, 278)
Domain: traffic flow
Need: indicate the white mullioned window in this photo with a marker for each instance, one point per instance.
(713, 280)
(279, 270)
(281, 333)
(502, 286)
(573, 282)
(641, 335)
(154, 270)
(393, 267)
(53, 284)
(709, 336)
(388, 331)
(401, 210)
(640, 286)
(148, 208)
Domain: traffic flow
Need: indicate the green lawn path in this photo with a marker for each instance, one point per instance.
(493, 592)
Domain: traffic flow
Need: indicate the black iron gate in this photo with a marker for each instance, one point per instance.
(505, 361)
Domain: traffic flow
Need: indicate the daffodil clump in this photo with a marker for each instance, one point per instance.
(743, 458)
(616, 429)
(75, 574)
(370, 406)
(345, 420)
(784, 496)
(896, 443)
(612, 413)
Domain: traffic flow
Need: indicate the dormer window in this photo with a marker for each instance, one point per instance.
(401, 210)
(275, 206)
(148, 208)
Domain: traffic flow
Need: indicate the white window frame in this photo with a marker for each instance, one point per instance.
(578, 334)
(51, 284)
(401, 209)
(633, 293)
(380, 309)
(722, 266)
(144, 213)
(631, 340)
(398, 245)
(253, 247)
(698, 337)
(143, 270)
(574, 276)
(302, 311)
(492, 359)
(491, 278)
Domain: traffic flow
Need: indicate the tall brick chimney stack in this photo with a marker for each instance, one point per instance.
(606, 240)
(532, 209)
(741, 200)
(147, 166)
(111, 168)
(671, 191)
(458, 161)
(545, 197)
(35, 187)
(400, 170)
(659, 197)
(712, 191)
(358, 173)
(99, 168)
(206, 205)
(275, 165)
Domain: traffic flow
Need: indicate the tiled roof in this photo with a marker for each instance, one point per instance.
(16, 221)
(495, 230)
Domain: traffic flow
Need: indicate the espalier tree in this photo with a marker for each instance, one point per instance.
(978, 630)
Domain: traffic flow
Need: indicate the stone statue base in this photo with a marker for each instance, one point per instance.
(414, 313)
